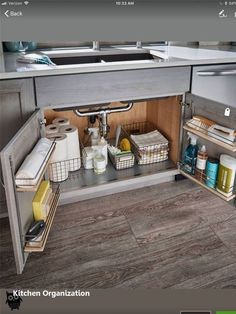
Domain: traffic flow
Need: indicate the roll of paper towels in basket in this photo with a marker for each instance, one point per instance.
(51, 129)
(73, 148)
(59, 167)
(61, 121)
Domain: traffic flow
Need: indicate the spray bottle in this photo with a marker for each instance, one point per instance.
(94, 133)
(190, 154)
(102, 146)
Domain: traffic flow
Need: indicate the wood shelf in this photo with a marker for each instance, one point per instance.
(209, 138)
(225, 198)
(35, 187)
(40, 245)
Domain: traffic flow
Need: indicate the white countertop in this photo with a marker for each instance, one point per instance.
(175, 56)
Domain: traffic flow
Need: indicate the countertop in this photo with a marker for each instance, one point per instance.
(174, 57)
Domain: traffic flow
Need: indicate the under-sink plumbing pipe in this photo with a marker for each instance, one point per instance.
(103, 113)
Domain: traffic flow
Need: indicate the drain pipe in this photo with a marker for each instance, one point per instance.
(103, 113)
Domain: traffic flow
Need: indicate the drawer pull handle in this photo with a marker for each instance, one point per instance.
(217, 73)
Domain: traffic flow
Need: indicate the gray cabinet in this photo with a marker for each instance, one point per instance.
(215, 82)
(16, 104)
(19, 204)
(67, 91)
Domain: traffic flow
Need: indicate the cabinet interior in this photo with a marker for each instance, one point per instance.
(164, 113)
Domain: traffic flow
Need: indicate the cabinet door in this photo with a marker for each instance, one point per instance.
(19, 204)
(215, 141)
(16, 105)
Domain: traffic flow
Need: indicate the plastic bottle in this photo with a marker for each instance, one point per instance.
(212, 167)
(88, 155)
(226, 175)
(102, 147)
(190, 154)
(202, 157)
(99, 163)
(94, 133)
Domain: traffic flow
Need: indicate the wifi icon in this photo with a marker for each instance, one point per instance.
(26, 2)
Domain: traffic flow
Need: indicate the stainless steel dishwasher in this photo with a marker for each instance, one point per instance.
(215, 82)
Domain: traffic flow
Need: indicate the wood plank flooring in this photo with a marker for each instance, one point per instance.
(174, 235)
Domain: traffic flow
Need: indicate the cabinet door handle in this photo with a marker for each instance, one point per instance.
(217, 73)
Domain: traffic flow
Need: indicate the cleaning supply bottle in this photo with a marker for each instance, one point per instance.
(202, 157)
(190, 154)
(102, 147)
(212, 167)
(94, 133)
(226, 175)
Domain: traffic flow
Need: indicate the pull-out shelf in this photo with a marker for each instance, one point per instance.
(214, 191)
(229, 147)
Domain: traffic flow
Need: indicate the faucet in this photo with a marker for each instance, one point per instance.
(138, 44)
(96, 45)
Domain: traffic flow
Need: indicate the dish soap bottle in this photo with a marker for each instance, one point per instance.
(190, 154)
(202, 157)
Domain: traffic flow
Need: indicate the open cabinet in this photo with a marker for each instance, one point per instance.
(19, 200)
(86, 184)
(83, 184)
(222, 115)
(168, 114)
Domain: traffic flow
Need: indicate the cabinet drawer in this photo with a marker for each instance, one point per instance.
(96, 88)
(216, 82)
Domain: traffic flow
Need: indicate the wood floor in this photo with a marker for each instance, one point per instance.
(170, 235)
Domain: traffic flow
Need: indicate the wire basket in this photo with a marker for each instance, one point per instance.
(32, 182)
(146, 154)
(122, 160)
(59, 171)
(229, 191)
(215, 134)
(39, 241)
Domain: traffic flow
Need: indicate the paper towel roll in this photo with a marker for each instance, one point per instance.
(51, 129)
(73, 147)
(59, 167)
(61, 121)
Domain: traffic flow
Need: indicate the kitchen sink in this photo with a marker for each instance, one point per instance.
(76, 60)
(127, 57)
(124, 57)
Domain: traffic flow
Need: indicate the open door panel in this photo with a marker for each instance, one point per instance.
(12, 157)
(214, 113)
